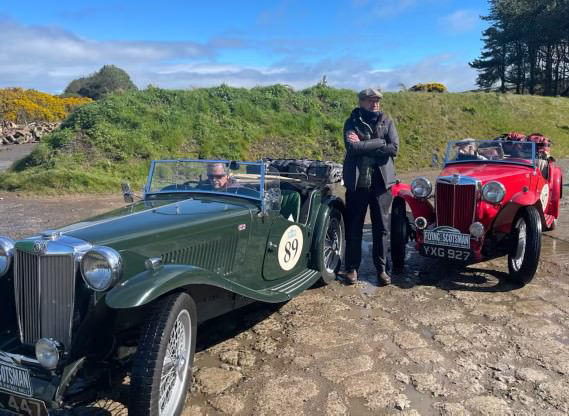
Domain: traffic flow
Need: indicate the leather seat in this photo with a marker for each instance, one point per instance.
(290, 204)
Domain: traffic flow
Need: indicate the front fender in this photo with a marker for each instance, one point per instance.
(150, 285)
(506, 215)
(419, 207)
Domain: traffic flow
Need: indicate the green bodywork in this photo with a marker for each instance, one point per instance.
(203, 240)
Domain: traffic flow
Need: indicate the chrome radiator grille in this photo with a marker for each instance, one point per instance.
(45, 289)
(455, 205)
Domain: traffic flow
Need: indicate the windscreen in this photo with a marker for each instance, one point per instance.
(500, 151)
(213, 176)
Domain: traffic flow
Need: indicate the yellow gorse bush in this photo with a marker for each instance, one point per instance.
(24, 106)
(429, 87)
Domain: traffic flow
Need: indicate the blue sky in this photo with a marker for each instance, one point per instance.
(183, 44)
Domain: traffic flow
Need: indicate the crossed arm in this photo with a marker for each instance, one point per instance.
(373, 147)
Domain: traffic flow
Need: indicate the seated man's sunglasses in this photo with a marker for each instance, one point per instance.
(216, 176)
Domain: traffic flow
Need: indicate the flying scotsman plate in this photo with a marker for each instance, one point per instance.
(15, 379)
(448, 237)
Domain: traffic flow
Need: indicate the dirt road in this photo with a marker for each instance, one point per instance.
(438, 341)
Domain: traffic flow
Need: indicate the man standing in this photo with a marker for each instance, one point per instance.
(369, 172)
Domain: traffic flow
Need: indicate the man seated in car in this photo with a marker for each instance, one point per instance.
(466, 150)
(217, 177)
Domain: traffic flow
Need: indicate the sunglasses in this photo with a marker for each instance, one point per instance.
(218, 176)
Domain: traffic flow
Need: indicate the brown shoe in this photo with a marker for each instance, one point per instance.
(352, 277)
(384, 278)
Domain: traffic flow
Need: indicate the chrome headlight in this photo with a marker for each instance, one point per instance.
(101, 268)
(493, 192)
(48, 352)
(421, 187)
(6, 254)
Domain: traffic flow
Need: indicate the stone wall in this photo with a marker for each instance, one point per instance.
(12, 133)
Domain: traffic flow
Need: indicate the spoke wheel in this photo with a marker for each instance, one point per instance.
(161, 369)
(523, 257)
(175, 365)
(332, 247)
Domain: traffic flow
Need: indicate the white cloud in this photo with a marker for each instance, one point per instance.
(460, 21)
(47, 59)
(387, 8)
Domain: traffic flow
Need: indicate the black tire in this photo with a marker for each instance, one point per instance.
(332, 247)
(523, 257)
(149, 360)
(399, 235)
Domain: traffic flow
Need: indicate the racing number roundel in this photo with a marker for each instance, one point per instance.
(544, 197)
(290, 247)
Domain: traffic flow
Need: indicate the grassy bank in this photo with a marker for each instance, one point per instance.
(115, 139)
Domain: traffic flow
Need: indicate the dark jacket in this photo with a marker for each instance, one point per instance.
(381, 143)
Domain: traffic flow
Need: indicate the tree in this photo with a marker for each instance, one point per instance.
(108, 79)
(491, 65)
(526, 47)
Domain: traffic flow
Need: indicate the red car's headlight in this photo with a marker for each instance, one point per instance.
(421, 187)
(493, 192)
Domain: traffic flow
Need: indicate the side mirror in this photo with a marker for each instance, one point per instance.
(233, 165)
(435, 161)
(127, 193)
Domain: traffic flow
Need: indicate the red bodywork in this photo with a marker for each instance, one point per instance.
(461, 206)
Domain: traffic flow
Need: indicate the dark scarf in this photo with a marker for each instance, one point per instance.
(370, 117)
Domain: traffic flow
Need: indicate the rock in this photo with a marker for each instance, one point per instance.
(335, 406)
(227, 404)
(379, 402)
(451, 409)
(192, 410)
(531, 375)
(427, 383)
(401, 402)
(12, 133)
(403, 378)
(425, 356)
(265, 345)
(407, 340)
(487, 406)
(555, 393)
(339, 369)
(363, 385)
(286, 395)
(217, 380)
(246, 358)
(230, 357)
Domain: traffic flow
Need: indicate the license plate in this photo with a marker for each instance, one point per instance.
(446, 252)
(447, 236)
(16, 405)
(15, 379)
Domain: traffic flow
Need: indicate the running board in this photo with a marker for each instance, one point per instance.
(300, 281)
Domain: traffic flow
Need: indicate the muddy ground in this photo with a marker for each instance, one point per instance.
(438, 341)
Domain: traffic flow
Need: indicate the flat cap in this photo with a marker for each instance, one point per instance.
(464, 142)
(370, 93)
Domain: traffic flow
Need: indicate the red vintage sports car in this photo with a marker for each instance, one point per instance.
(493, 198)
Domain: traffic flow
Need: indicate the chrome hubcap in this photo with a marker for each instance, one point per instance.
(332, 245)
(175, 365)
(521, 246)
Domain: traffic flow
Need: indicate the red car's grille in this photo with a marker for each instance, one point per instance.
(455, 205)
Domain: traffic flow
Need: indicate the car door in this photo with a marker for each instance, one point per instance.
(286, 249)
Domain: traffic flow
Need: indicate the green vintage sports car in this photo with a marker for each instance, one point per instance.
(126, 290)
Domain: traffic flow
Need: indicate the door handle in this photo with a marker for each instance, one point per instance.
(271, 246)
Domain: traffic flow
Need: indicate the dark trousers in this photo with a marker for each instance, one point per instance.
(379, 200)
